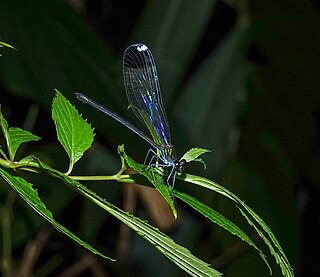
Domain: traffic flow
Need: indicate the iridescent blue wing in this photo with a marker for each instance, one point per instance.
(143, 92)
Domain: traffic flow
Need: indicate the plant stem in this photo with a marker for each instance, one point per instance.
(34, 167)
(5, 163)
(120, 178)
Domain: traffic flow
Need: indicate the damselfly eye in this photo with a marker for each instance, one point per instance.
(182, 165)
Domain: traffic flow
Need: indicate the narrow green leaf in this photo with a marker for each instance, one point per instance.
(176, 253)
(193, 155)
(219, 219)
(18, 136)
(30, 195)
(74, 133)
(253, 219)
(270, 239)
(274, 247)
(6, 45)
(153, 176)
(2, 44)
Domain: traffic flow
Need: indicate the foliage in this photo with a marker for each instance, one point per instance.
(3, 44)
(71, 125)
(231, 83)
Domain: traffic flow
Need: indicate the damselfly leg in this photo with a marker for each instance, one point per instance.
(155, 160)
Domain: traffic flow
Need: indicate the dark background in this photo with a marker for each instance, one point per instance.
(238, 77)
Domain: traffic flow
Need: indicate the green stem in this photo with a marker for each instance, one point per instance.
(116, 177)
(70, 168)
(5, 163)
(34, 167)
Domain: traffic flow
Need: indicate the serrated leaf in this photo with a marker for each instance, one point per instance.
(18, 136)
(5, 131)
(193, 155)
(219, 219)
(15, 136)
(175, 252)
(178, 254)
(30, 195)
(253, 219)
(153, 176)
(74, 133)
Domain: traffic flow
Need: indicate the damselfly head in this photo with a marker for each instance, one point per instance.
(180, 165)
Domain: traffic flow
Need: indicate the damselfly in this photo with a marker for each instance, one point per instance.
(143, 92)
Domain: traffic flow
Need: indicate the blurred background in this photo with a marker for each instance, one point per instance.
(238, 77)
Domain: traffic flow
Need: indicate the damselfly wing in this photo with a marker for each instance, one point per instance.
(143, 92)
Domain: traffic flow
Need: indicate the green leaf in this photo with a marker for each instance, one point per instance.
(6, 45)
(153, 175)
(193, 155)
(74, 133)
(2, 44)
(219, 219)
(5, 131)
(18, 136)
(176, 253)
(15, 136)
(30, 195)
(253, 219)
